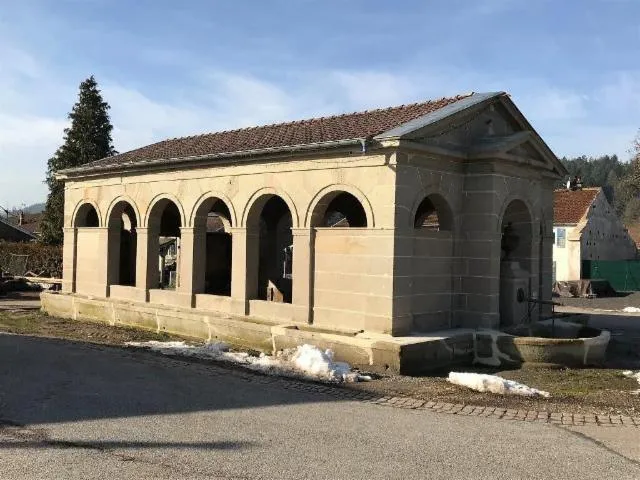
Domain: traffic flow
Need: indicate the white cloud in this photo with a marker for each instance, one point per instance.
(622, 94)
(34, 102)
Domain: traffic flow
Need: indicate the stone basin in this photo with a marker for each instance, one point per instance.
(553, 343)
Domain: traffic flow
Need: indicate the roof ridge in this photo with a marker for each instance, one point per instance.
(342, 127)
(328, 117)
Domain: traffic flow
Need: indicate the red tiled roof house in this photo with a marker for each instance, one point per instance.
(586, 227)
(356, 231)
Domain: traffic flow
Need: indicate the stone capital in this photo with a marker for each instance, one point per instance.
(302, 232)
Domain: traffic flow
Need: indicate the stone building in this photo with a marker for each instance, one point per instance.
(364, 232)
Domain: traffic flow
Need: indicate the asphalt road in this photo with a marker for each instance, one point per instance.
(73, 410)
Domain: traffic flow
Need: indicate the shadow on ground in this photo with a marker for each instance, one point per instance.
(51, 380)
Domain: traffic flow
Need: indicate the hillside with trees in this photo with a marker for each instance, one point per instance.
(617, 178)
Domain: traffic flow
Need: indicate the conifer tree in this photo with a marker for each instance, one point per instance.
(86, 140)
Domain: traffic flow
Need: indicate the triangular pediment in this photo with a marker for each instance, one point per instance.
(490, 127)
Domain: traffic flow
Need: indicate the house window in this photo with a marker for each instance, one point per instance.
(561, 236)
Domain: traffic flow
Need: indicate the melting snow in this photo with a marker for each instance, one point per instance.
(494, 384)
(305, 361)
(631, 309)
(636, 375)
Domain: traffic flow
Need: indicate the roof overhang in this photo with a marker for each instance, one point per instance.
(78, 172)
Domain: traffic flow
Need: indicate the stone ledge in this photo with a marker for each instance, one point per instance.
(410, 354)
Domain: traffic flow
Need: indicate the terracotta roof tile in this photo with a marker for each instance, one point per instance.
(569, 206)
(357, 125)
(634, 233)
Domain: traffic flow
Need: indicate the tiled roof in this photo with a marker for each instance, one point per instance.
(569, 206)
(18, 228)
(634, 233)
(360, 125)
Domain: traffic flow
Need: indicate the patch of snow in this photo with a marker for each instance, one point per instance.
(494, 384)
(306, 361)
(631, 309)
(636, 376)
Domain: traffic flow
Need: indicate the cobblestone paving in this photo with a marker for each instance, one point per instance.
(344, 393)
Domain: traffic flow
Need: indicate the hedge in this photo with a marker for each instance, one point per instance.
(42, 260)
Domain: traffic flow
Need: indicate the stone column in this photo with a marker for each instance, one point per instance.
(69, 260)
(99, 286)
(193, 258)
(244, 268)
(302, 272)
(146, 261)
(113, 261)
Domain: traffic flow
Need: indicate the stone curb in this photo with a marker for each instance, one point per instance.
(532, 416)
(411, 403)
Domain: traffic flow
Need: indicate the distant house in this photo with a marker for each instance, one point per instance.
(634, 232)
(31, 223)
(13, 232)
(586, 227)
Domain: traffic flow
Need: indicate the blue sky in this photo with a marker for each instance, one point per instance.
(172, 68)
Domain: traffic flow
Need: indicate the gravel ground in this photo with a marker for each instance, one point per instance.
(603, 303)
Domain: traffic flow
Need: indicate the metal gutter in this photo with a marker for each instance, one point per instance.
(97, 169)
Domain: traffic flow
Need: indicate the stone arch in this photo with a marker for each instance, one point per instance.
(86, 214)
(164, 220)
(212, 197)
(505, 205)
(257, 201)
(516, 222)
(270, 218)
(134, 207)
(432, 211)
(158, 201)
(323, 198)
(517, 258)
(122, 222)
(211, 219)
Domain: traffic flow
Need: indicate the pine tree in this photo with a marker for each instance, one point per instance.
(87, 139)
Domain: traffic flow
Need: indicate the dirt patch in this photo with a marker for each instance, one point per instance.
(588, 391)
(40, 324)
(618, 302)
(593, 391)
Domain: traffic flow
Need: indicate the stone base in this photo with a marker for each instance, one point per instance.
(406, 355)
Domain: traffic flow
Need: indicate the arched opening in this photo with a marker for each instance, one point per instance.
(515, 263)
(212, 258)
(339, 209)
(123, 245)
(84, 278)
(86, 217)
(433, 214)
(271, 218)
(164, 226)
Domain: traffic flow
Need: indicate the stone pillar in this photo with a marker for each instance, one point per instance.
(147, 275)
(244, 268)
(193, 258)
(69, 260)
(113, 260)
(302, 272)
(96, 254)
(476, 280)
